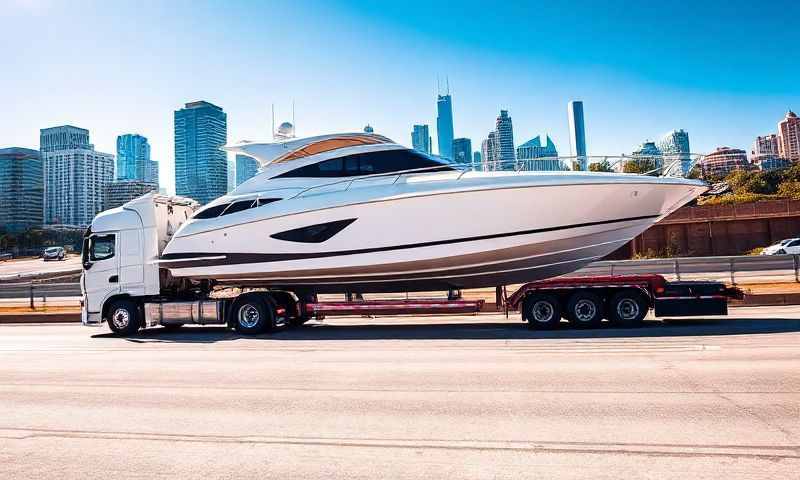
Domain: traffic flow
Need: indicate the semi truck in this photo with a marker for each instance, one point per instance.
(126, 284)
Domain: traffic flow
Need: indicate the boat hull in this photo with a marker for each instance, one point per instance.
(430, 236)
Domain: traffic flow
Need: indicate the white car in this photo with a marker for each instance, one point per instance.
(789, 246)
(54, 253)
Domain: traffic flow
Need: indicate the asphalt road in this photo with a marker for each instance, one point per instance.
(457, 397)
(25, 269)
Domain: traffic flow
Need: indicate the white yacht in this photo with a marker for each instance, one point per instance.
(358, 212)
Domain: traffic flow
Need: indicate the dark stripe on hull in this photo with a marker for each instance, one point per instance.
(517, 270)
(241, 258)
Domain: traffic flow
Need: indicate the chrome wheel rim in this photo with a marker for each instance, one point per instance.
(248, 316)
(121, 318)
(542, 311)
(585, 310)
(627, 309)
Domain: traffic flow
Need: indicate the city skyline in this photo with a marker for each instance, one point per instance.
(633, 83)
(201, 167)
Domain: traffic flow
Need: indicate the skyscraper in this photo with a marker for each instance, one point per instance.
(75, 176)
(723, 161)
(462, 150)
(246, 168)
(65, 137)
(21, 189)
(539, 157)
(644, 158)
(577, 133)
(675, 146)
(476, 160)
(533, 148)
(421, 138)
(504, 136)
(765, 153)
(444, 125)
(133, 159)
(120, 192)
(231, 169)
(789, 137)
(201, 172)
(489, 153)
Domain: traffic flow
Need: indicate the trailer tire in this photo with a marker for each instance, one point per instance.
(253, 313)
(584, 310)
(124, 318)
(542, 311)
(627, 309)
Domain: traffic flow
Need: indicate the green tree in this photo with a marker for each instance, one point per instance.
(603, 166)
(639, 165)
(695, 173)
(789, 190)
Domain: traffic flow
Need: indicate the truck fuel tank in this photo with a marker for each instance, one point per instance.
(201, 312)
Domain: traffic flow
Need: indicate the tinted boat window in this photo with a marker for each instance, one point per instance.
(385, 161)
(239, 206)
(263, 201)
(314, 233)
(334, 166)
(211, 212)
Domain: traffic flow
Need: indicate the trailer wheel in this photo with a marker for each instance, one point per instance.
(253, 313)
(542, 310)
(627, 308)
(124, 318)
(584, 310)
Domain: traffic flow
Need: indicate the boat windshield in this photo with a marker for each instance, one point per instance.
(370, 163)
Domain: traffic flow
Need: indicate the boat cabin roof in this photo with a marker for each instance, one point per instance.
(296, 148)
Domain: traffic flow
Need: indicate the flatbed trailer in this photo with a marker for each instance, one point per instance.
(623, 300)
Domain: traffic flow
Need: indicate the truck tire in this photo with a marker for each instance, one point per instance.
(542, 311)
(627, 309)
(584, 310)
(124, 318)
(253, 313)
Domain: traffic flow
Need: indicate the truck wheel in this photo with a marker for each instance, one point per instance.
(542, 311)
(585, 310)
(123, 317)
(627, 309)
(252, 314)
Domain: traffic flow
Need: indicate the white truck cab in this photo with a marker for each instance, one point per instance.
(121, 249)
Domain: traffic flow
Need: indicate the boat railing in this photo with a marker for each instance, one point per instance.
(668, 165)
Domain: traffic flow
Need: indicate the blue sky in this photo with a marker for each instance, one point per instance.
(724, 71)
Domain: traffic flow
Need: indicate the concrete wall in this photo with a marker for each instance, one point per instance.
(717, 230)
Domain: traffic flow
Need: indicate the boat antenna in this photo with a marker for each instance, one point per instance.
(273, 121)
(447, 83)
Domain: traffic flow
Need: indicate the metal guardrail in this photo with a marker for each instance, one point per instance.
(38, 293)
(731, 269)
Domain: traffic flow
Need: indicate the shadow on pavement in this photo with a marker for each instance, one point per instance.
(472, 331)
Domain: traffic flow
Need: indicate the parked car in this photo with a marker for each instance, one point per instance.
(789, 246)
(54, 253)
